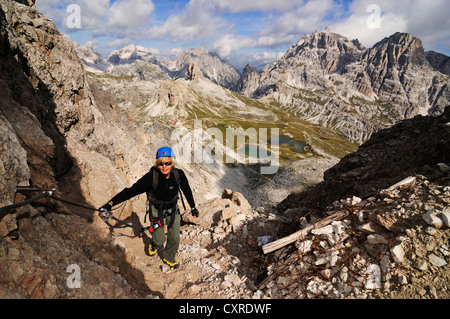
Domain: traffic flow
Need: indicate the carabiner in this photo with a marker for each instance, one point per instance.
(104, 214)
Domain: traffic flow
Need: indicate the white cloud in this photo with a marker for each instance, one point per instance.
(284, 30)
(130, 13)
(121, 42)
(427, 20)
(264, 57)
(196, 21)
(102, 17)
(229, 43)
(306, 18)
(272, 25)
(256, 5)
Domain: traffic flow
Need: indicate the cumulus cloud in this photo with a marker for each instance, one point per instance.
(196, 21)
(427, 20)
(283, 30)
(256, 5)
(257, 30)
(101, 17)
(304, 19)
(130, 13)
(229, 43)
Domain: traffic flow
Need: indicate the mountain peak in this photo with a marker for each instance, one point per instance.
(210, 64)
(92, 61)
(327, 50)
(401, 38)
(130, 54)
(336, 82)
(401, 47)
(327, 40)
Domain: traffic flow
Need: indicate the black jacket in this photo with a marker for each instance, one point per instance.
(165, 191)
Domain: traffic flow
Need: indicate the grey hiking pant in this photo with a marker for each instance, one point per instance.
(173, 235)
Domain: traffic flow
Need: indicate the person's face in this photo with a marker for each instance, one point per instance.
(165, 165)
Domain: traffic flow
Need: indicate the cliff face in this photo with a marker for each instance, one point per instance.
(54, 134)
(398, 71)
(249, 81)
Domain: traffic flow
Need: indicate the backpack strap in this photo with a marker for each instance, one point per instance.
(176, 174)
(155, 178)
(150, 196)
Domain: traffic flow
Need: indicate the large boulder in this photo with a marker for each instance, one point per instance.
(232, 207)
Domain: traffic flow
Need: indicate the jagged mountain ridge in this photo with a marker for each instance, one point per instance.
(135, 59)
(334, 82)
(92, 61)
(331, 81)
(210, 65)
(130, 54)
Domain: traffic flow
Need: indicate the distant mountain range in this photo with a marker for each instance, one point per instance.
(211, 65)
(324, 78)
(335, 82)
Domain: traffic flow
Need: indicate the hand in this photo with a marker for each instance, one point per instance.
(194, 212)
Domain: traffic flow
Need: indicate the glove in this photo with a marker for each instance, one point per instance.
(194, 212)
(107, 206)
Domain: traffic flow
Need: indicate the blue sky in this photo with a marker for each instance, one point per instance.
(243, 31)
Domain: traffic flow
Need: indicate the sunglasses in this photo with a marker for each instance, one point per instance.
(165, 164)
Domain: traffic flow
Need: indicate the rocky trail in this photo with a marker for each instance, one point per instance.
(217, 261)
(394, 245)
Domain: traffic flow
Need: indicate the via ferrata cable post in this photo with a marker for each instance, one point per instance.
(45, 192)
(36, 189)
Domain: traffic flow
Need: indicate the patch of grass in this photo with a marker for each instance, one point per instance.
(111, 76)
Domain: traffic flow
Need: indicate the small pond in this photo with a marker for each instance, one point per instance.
(294, 145)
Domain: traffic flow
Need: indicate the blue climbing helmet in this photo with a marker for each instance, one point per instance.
(164, 152)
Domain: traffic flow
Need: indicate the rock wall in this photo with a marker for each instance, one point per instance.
(54, 134)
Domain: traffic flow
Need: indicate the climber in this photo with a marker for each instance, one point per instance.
(162, 184)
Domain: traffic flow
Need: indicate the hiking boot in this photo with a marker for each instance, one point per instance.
(174, 265)
(152, 251)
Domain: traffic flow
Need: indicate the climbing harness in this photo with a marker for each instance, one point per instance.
(154, 225)
(163, 207)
